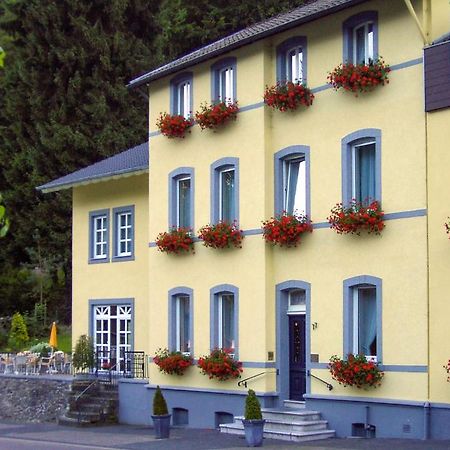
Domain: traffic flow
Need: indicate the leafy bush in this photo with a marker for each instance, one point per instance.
(18, 334)
(252, 406)
(159, 403)
(42, 348)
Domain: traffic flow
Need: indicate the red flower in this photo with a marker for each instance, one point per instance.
(221, 235)
(356, 217)
(359, 77)
(176, 240)
(215, 115)
(286, 96)
(172, 363)
(174, 126)
(355, 371)
(220, 364)
(286, 230)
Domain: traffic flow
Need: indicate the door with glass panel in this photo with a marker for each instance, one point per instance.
(112, 336)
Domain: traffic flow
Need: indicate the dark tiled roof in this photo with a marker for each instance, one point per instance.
(132, 160)
(444, 38)
(305, 13)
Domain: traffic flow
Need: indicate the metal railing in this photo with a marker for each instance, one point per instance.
(328, 385)
(110, 366)
(245, 380)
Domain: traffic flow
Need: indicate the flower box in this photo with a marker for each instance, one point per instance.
(215, 115)
(288, 96)
(221, 235)
(355, 371)
(286, 230)
(355, 217)
(359, 78)
(176, 240)
(220, 364)
(175, 126)
(172, 363)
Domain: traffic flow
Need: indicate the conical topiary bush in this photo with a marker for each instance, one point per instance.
(161, 416)
(253, 421)
(159, 403)
(252, 406)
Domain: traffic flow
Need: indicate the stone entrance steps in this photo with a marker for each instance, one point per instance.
(292, 423)
(97, 406)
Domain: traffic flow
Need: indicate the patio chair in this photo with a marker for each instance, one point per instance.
(57, 362)
(20, 364)
(32, 364)
(44, 364)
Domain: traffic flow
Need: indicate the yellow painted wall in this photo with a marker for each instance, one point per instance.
(439, 211)
(324, 259)
(127, 279)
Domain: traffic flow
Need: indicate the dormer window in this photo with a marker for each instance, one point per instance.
(224, 80)
(291, 60)
(181, 95)
(361, 38)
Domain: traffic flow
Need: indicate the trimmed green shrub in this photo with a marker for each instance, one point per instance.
(159, 403)
(252, 406)
(42, 348)
(18, 334)
(84, 356)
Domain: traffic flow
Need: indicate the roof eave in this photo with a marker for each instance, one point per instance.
(92, 180)
(146, 78)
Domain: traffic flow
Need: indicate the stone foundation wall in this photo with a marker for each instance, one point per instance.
(33, 398)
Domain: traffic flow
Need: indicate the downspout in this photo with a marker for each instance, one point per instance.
(416, 19)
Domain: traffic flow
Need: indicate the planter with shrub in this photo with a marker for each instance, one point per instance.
(161, 416)
(253, 421)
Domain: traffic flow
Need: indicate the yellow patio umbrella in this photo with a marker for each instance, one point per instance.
(53, 342)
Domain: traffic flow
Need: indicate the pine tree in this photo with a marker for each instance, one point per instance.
(18, 334)
(65, 105)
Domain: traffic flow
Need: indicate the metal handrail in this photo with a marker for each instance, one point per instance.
(244, 381)
(329, 386)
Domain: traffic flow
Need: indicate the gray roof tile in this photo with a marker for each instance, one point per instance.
(132, 160)
(305, 13)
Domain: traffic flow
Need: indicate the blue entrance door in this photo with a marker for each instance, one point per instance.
(297, 357)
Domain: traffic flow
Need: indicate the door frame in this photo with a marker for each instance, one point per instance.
(282, 335)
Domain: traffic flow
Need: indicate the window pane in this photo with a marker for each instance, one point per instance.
(294, 186)
(297, 297)
(364, 173)
(370, 51)
(360, 45)
(227, 201)
(184, 203)
(367, 321)
(227, 321)
(294, 65)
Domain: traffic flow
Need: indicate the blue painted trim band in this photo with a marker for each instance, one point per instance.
(404, 65)
(318, 365)
(258, 365)
(324, 87)
(385, 368)
(211, 391)
(252, 106)
(252, 232)
(320, 225)
(389, 401)
(154, 133)
(440, 405)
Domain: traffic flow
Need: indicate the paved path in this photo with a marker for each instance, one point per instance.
(48, 436)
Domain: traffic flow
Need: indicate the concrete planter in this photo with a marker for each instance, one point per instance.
(162, 426)
(254, 430)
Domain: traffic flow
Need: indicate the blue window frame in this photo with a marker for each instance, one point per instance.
(181, 94)
(99, 236)
(224, 313)
(361, 38)
(123, 233)
(181, 197)
(291, 60)
(361, 166)
(225, 190)
(292, 187)
(362, 316)
(223, 78)
(181, 320)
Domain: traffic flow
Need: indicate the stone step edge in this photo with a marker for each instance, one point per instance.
(291, 411)
(285, 433)
(284, 422)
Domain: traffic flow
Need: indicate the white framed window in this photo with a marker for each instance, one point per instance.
(226, 85)
(184, 99)
(182, 324)
(365, 323)
(363, 171)
(100, 237)
(227, 197)
(297, 301)
(294, 185)
(123, 233)
(363, 43)
(183, 202)
(294, 65)
(225, 321)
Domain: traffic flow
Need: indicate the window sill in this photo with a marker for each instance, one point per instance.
(122, 258)
(98, 260)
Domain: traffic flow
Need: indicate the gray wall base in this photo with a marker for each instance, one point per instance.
(391, 418)
(204, 407)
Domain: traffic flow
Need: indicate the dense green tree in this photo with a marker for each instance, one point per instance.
(184, 26)
(64, 105)
(18, 334)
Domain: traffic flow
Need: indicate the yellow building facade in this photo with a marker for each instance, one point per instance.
(285, 311)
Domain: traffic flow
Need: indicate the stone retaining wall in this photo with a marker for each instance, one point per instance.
(33, 398)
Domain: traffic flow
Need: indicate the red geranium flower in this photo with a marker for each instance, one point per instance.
(172, 363)
(174, 126)
(216, 115)
(221, 235)
(288, 96)
(286, 230)
(220, 364)
(176, 240)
